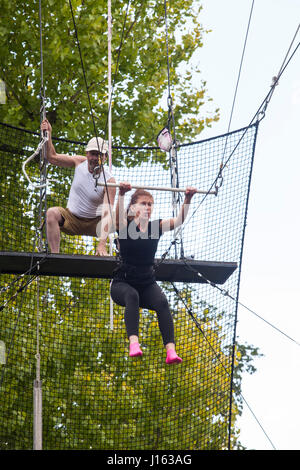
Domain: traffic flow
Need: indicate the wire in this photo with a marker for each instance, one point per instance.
(22, 288)
(221, 363)
(258, 116)
(240, 68)
(5, 288)
(238, 80)
(262, 109)
(88, 94)
(89, 100)
(227, 294)
(173, 158)
(267, 322)
(14, 330)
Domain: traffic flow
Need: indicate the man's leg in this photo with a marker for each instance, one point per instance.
(54, 222)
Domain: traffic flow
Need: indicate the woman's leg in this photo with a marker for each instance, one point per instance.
(153, 298)
(125, 295)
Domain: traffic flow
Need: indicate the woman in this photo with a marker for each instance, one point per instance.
(134, 284)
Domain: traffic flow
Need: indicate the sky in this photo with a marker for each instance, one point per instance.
(270, 267)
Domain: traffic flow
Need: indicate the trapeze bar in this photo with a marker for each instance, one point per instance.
(157, 188)
(172, 270)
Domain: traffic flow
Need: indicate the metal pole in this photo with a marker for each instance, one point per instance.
(111, 303)
(37, 387)
(157, 188)
(109, 87)
(109, 36)
(37, 416)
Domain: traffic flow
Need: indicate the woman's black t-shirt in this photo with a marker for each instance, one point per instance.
(137, 252)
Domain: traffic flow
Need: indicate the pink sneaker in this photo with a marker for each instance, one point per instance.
(135, 350)
(172, 357)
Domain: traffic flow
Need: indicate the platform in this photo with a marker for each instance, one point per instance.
(174, 270)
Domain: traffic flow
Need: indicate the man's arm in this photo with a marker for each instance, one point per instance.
(106, 219)
(59, 159)
(121, 216)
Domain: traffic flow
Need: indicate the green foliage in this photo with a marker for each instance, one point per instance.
(94, 396)
(140, 87)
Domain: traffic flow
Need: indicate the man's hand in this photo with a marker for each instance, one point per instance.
(46, 126)
(101, 249)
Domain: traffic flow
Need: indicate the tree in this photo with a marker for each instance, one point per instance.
(140, 88)
(93, 396)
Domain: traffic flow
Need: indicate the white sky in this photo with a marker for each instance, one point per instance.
(270, 269)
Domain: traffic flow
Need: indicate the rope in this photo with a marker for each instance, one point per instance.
(5, 288)
(173, 150)
(84, 75)
(43, 151)
(89, 99)
(35, 153)
(14, 330)
(88, 94)
(258, 116)
(170, 101)
(262, 109)
(22, 289)
(209, 191)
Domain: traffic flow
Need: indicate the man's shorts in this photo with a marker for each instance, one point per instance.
(73, 225)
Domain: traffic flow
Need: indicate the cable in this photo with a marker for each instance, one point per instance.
(227, 294)
(5, 288)
(88, 95)
(173, 160)
(14, 330)
(22, 288)
(221, 363)
(235, 93)
(258, 116)
(240, 68)
(89, 101)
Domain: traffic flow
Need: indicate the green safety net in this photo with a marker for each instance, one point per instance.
(93, 395)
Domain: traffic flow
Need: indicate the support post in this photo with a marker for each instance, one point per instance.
(37, 416)
(37, 386)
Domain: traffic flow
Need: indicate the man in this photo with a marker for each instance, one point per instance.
(89, 208)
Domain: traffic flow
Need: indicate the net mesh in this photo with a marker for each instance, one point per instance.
(94, 395)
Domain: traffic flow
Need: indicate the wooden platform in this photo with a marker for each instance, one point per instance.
(103, 267)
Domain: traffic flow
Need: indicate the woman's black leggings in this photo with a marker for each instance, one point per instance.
(150, 297)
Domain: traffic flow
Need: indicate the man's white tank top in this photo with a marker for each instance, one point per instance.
(85, 200)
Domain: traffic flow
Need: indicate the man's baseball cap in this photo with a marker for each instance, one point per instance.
(101, 146)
